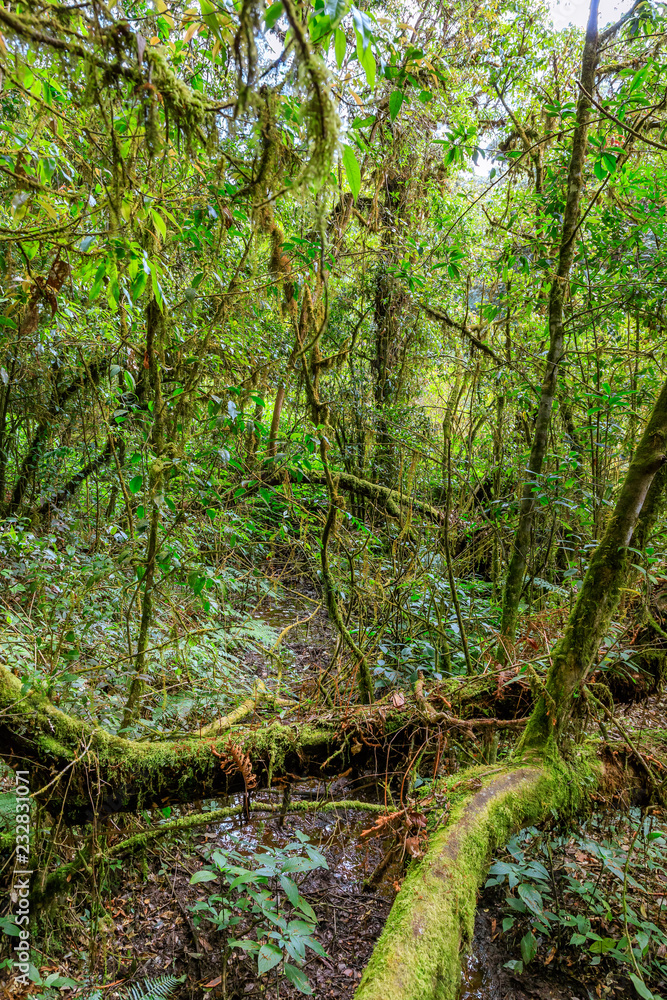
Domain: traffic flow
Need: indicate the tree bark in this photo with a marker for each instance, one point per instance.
(154, 330)
(575, 652)
(575, 183)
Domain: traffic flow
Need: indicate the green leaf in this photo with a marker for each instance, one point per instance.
(307, 909)
(531, 898)
(246, 944)
(602, 946)
(290, 890)
(395, 103)
(609, 161)
(209, 18)
(641, 987)
(501, 868)
(340, 46)
(268, 958)
(136, 483)
(352, 170)
(367, 60)
(600, 171)
(242, 879)
(528, 947)
(298, 978)
(272, 14)
(160, 224)
(203, 876)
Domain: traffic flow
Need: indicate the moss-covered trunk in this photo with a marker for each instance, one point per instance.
(588, 623)
(85, 771)
(417, 956)
(575, 184)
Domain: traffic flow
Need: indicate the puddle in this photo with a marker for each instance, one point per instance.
(336, 834)
(479, 977)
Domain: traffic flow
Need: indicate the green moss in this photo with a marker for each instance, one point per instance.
(181, 769)
(417, 956)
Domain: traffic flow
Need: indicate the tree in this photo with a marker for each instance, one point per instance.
(382, 235)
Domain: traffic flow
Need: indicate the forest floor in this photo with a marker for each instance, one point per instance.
(149, 928)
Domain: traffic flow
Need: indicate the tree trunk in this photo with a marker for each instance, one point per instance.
(418, 954)
(589, 620)
(154, 330)
(575, 182)
(275, 421)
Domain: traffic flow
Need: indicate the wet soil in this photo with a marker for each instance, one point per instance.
(485, 978)
(149, 929)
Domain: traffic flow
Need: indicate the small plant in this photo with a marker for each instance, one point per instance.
(162, 988)
(259, 893)
(593, 895)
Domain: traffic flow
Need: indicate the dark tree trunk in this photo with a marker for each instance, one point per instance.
(575, 182)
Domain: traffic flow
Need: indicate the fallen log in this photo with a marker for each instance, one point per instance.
(418, 954)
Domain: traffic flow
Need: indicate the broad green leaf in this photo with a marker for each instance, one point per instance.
(352, 170)
(600, 170)
(609, 161)
(501, 868)
(136, 483)
(203, 876)
(298, 978)
(367, 60)
(340, 46)
(268, 958)
(641, 987)
(209, 18)
(395, 103)
(531, 898)
(246, 944)
(160, 224)
(336, 9)
(602, 946)
(290, 890)
(272, 14)
(528, 947)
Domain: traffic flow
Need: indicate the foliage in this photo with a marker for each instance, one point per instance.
(590, 894)
(267, 894)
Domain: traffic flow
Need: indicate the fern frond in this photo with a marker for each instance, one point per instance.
(162, 988)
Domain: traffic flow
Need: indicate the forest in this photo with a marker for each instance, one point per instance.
(333, 513)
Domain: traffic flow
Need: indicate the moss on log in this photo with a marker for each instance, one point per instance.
(85, 771)
(418, 954)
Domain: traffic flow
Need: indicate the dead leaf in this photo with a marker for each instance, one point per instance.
(58, 275)
(214, 982)
(412, 847)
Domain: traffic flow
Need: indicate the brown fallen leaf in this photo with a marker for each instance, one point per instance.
(214, 982)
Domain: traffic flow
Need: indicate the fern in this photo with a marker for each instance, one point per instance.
(161, 988)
